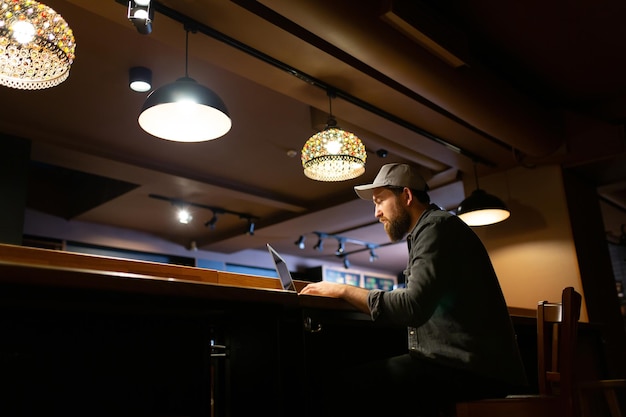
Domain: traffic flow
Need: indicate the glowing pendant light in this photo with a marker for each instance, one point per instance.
(185, 111)
(37, 45)
(333, 154)
(481, 208)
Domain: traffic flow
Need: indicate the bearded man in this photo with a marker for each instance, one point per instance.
(461, 343)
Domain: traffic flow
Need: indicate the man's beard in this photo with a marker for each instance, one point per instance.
(399, 226)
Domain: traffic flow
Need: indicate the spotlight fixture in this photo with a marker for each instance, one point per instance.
(211, 223)
(346, 262)
(373, 255)
(300, 242)
(481, 208)
(333, 154)
(341, 248)
(250, 227)
(185, 111)
(140, 79)
(141, 14)
(382, 153)
(184, 216)
(37, 45)
(319, 245)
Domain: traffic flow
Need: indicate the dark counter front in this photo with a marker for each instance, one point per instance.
(78, 341)
(73, 356)
(85, 342)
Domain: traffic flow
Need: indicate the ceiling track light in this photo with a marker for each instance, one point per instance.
(373, 255)
(252, 220)
(341, 248)
(141, 14)
(251, 225)
(211, 222)
(300, 242)
(346, 261)
(185, 111)
(481, 208)
(382, 153)
(140, 79)
(341, 245)
(184, 215)
(319, 246)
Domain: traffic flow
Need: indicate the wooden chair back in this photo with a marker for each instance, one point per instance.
(557, 326)
(561, 393)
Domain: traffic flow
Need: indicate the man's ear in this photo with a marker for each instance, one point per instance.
(408, 196)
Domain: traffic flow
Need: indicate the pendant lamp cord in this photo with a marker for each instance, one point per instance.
(188, 28)
(330, 104)
(331, 119)
(476, 176)
(186, 53)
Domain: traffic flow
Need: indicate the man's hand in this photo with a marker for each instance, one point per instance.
(325, 288)
(356, 296)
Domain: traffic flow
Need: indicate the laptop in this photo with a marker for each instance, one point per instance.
(282, 270)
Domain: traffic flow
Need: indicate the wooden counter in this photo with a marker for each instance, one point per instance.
(33, 266)
(59, 268)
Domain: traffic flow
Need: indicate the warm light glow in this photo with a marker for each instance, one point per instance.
(484, 217)
(23, 31)
(185, 122)
(333, 147)
(333, 155)
(481, 209)
(184, 216)
(140, 86)
(141, 14)
(36, 45)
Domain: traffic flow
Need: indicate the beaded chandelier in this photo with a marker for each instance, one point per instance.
(36, 45)
(333, 154)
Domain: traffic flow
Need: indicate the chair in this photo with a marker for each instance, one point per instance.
(560, 393)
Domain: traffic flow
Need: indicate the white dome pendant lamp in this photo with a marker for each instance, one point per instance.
(185, 111)
(481, 208)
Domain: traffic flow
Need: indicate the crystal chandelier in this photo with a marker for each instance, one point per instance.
(333, 154)
(36, 45)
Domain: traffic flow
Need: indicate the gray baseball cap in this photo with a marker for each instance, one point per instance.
(393, 175)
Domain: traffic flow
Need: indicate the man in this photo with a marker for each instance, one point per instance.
(461, 342)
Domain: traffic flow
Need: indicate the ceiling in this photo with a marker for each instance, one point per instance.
(442, 84)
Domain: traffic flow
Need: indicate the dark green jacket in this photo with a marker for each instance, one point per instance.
(452, 304)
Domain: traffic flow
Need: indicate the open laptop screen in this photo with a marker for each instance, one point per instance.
(282, 270)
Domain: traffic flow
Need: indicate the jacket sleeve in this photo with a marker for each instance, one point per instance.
(428, 275)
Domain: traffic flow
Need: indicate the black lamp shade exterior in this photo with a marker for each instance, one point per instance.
(481, 209)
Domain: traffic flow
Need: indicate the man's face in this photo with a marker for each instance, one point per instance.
(392, 213)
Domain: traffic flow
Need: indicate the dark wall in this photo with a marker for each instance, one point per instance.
(596, 271)
(14, 160)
